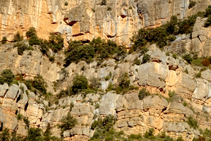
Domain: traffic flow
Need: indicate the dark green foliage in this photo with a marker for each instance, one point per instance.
(208, 22)
(192, 122)
(97, 48)
(39, 84)
(80, 83)
(134, 137)
(198, 75)
(149, 134)
(26, 121)
(4, 40)
(208, 11)
(63, 93)
(188, 58)
(192, 4)
(143, 93)
(104, 128)
(56, 42)
(44, 47)
(146, 58)
(137, 62)
(31, 32)
(34, 40)
(17, 37)
(34, 134)
(67, 123)
(80, 53)
(103, 2)
(124, 83)
(47, 134)
(52, 59)
(5, 135)
(6, 77)
(19, 116)
(16, 138)
(21, 47)
(66, 3)
(109, 9)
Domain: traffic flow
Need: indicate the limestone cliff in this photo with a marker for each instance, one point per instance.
(88, 19)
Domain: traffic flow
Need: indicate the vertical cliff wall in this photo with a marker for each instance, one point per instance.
(88, 19)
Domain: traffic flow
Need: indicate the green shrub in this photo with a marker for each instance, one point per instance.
(103, 2)
(143, 93)
(44, 47)
(19, 116)
(198, 75)
(6, 77)
(26, 121)
(34, 40)
(149, 134)
(124, 83)
(137, 62)
(146, 58)
(17, 37)
(56, 42)
(32, 32)
(192, 122)
(135, 137)
(109, 9)
(52, 59)
(208, 22)
(188, 58)
(39, 84)
(66, 3)
(21, 47)
(80, 83)
(4, 40)
(191, 4)
(67, 123)
(208, 11)
(35, 134)
(5, 135)
(97, 48)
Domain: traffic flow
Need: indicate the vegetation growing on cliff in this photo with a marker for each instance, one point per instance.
(97, 49)
(4, 40)
(7, 76)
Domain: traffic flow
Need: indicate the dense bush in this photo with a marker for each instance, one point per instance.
(188, 58)
(34, 40)
(102, 127)
(4, 40)
(146, 58)
(17, 37)
(5, 135)
(191, 4)
(143, 93)
(80, 83)
(56, 42)
(97, 48)
(208, 22)
(32, 32)
(36, 84)
(6, 77)
(124, 83)
(21, 47)
(103, 2)
(67, 123)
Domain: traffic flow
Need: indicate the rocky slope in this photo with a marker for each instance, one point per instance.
(88, 19)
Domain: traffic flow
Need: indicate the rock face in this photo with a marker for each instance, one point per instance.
(88, 19)
(161, 75)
